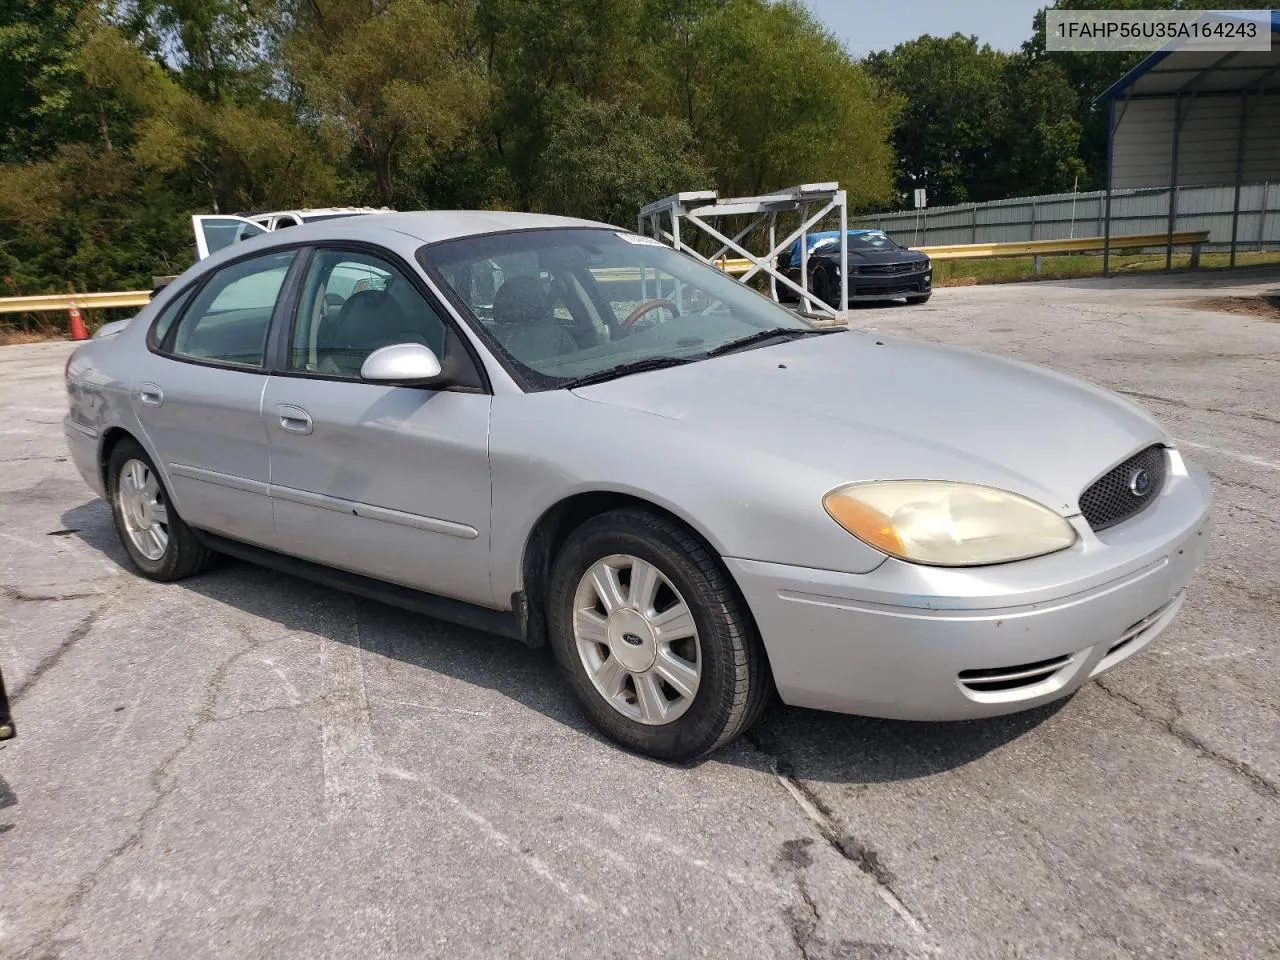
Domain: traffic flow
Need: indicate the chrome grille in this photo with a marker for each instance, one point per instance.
(1119, 494)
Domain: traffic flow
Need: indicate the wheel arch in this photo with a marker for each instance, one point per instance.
(111, 438)
(553, 528)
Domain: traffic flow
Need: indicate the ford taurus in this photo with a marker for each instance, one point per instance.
(575, 436)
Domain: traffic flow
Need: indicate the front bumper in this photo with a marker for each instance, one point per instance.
(886, 286)
(911, 642)
(82, 443)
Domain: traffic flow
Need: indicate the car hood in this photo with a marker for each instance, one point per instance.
(869, 407)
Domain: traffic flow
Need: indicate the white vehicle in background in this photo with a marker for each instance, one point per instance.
(215, 231)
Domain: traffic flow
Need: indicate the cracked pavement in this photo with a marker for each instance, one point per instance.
(246, 765)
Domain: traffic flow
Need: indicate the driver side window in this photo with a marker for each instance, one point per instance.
(352, 304)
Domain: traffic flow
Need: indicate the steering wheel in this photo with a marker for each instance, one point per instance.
(646, 307)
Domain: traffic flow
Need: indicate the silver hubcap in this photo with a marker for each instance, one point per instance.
(146, 517)
(637, 639)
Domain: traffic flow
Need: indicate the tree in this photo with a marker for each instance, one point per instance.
(787, 105)
(218, 46)
(605, 160)
(37, 54)
(392, 80)
(949, 133)
(1041, 140)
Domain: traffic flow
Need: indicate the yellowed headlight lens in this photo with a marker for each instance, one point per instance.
(948, 524)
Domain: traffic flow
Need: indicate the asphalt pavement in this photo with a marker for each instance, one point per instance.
(246, 765)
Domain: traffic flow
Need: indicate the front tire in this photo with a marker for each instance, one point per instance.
(920, 298)
(653, 637)
(161, 546)
(825, 284)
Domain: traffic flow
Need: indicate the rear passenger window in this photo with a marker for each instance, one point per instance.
(229, 318)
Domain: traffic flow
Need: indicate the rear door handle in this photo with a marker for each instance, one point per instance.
(150, 394)
(294, 419)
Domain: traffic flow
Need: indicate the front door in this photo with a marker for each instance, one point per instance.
(390, 482)
(213, 232)
(198, 394)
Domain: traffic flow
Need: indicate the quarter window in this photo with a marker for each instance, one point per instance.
(353, 303)
(160, 329)
(229, 318)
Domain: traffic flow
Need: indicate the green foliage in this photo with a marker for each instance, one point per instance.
(979, 124)
(786, 105)
(606, 160)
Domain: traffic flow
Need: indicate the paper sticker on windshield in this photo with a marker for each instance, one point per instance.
(641, 240)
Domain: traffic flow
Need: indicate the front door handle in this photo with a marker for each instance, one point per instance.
(150, 394)
(294, 419)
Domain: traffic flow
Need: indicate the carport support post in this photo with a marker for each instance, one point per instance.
(1178, 116)
(1235, 207)
(1106, 218)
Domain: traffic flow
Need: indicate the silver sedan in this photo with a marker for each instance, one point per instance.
(575, 436)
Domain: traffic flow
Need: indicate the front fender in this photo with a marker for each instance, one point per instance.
(746, 503)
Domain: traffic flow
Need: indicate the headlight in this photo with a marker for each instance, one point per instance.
(947, 524)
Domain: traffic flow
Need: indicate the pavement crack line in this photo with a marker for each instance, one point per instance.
(160, 782)
(1256, 780)
(803, 923)
(860, 855)
(26, 596)
(47, 663)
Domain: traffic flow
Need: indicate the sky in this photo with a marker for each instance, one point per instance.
(867, 25)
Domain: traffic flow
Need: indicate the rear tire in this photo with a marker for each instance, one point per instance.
(161, 546)
(653, 637)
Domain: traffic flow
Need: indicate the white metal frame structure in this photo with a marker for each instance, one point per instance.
(663, 220)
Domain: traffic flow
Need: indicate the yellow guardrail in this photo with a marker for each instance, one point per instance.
(1027, 248)
(62, 302)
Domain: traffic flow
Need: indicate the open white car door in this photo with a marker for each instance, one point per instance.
(215, 231)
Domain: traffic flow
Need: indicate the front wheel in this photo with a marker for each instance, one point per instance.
(653, 638)
(825, 284)
(159, 543)
(920, 298)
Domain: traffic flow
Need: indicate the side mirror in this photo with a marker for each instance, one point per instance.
(403, 363)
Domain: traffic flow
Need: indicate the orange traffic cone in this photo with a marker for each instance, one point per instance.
(78, 330)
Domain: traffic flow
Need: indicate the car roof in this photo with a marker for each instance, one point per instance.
(313, 211)
(394, 229)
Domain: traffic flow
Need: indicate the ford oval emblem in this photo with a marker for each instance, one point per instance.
(632, 639)
(1140, 482)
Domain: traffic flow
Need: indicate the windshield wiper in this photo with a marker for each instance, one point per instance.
(623, 369)
(777, 333)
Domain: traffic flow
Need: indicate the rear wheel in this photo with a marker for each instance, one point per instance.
(159, 543)
(653, 638)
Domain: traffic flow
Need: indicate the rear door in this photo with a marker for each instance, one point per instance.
(215, 232)
(198, 394)
(387, 481)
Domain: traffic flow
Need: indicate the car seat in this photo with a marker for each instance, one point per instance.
(525, 324)
(368, 320)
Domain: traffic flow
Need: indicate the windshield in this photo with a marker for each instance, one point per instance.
(560, 305)
(861, 242)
